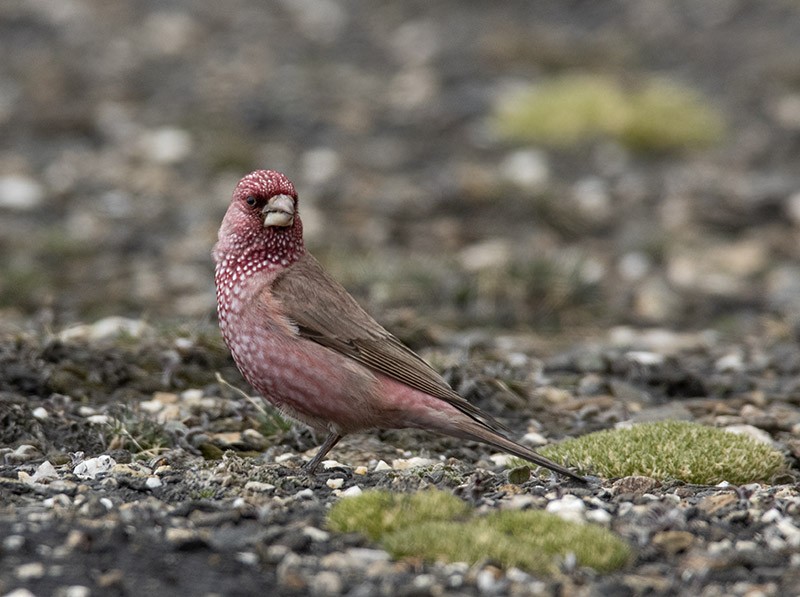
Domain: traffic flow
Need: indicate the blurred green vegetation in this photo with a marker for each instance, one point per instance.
(656, 115)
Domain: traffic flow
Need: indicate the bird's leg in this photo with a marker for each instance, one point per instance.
(330, 441)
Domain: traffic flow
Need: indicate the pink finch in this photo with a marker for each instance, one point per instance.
(304, 343)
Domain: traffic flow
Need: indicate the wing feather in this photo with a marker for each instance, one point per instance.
(325, 313)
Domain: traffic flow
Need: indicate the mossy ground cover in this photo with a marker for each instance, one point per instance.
(672, 450)
(435, 525)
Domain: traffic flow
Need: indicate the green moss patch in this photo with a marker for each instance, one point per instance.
(672, 450)
(435, 525)
(658, 115)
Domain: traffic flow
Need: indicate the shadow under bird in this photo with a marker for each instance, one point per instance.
(303, 342)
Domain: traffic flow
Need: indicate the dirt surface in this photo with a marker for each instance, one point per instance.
(611, 286)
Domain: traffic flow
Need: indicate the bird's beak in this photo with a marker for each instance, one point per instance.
(279, 211)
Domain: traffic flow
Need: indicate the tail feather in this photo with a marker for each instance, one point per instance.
(476, 431)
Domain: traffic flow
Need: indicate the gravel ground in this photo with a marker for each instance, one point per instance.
(185, 486)
(564, 290)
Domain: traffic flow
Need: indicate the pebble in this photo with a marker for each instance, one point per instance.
(40, 413)
(103, 329)
(353, 491)
(30, 571)
(527, 169)
(753, 432)
(91, 468)
(335, 483)
(316, 534)
(44, 473)
(167, 145)
(569, 508)
(326, 582)
(259, 486)
(402, 464)
(20, 193)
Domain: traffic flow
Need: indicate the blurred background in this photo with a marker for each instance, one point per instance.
(531, 165)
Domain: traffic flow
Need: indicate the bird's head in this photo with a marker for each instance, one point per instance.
(262, 216)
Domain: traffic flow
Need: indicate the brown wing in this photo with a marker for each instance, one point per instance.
(326, 313)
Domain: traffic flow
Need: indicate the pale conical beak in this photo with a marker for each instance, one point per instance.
(279, 211)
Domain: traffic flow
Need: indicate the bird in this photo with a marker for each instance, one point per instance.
(304, 343)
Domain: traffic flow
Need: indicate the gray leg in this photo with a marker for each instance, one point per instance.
(330, 441)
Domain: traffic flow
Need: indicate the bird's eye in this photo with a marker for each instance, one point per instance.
(251, 200)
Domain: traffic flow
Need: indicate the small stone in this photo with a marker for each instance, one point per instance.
(44, 472)
(635, 485)
(527, 169)
(316, 534)
(331, 464)
(326, 582)
(185, 537)
(382, 466)
(568, 507)
(488, 580)
(731, 362)
(19, 593)
(74, 591)
(258, 486)
(634, 265)
(489, 254)
(335, 483)
(353, 491)
(598, 516)
(363, 470)
(91, 468)
(304, 494)
(167, 145)
(593, 200)
(753, 432)
(40, 413)
(402, 464)
(534, 439)
(673, 542)
(20, 193)
(153, 482)
(13, 542)
(30, 571)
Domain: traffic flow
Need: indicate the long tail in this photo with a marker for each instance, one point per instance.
(475, 430)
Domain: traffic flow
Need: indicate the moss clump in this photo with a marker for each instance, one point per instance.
(666, 116)
(659, 115)
(379, 513)
(435, 525)
(672, 450)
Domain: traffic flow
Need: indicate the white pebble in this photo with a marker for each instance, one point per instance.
(44, 472)
(30, 571)
(402, 464)
(40, 413)
(20, 193)
(528, 169)
(534, 439)
(167, 145)
(334, 483)
(153, 482)
(329, 464)
(316, 534)
(258, 486)
(751, 431)
(568, 507)
(598, 516)
(353, 491)
(382, 466)
(89, 469)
